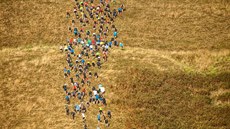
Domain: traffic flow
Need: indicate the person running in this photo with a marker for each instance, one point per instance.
(104, 56)
(82, 82)
(87, 55)
(85, 126)
(97, 99)
(65, 88)
(75, 88)
(90, 74)
(99, 64)
(83, 116)
(83, 61)
(99, 118)
(114, 13)
(95, 75)
(74, 93)
(65, 73)
(77, 108)
(93, 64)
(67, 14)
(61, 48)
(67, 99)
(77, 75)
(83, 109)
(67, 110)
(120, 10)
(79, 95)
(109, 114)
(100, 110)
(104, 101)
(88, 82)
(121, 45)
(72, 81)
(68, 72)
(107, 123)
(115, 43)
(73, 115)
(110, 44)
(87, 104)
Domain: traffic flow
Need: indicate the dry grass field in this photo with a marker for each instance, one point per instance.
(173, 73)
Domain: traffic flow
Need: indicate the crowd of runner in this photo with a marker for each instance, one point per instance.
(93, 34)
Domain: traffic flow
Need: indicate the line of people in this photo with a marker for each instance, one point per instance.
(92, 35)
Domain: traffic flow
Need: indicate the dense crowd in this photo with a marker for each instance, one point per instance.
(93, 34)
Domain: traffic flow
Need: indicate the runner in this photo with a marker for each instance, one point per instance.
(121, 45)
(106, 122)
(100, 110)
(99, 118)
(67, 110)
(67, 99)
(73, 115)
(109, 114)
(65, 88)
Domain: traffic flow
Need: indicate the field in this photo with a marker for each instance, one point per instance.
(173, 73)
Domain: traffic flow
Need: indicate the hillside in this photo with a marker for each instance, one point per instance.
(173, 73)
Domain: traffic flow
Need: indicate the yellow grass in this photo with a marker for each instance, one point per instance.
(172, 73)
